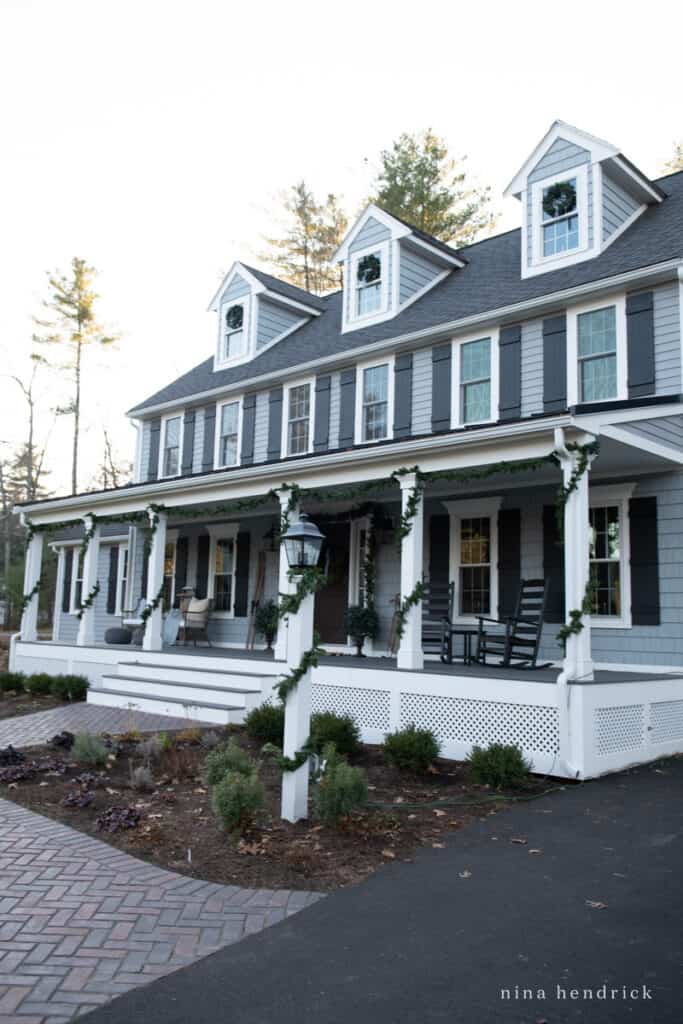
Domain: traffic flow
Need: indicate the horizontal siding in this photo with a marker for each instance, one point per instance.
(272, 322)
(236, 289)
(667, 323)
(562, 156)
(532, 368)
(617, 206)
(261, 427)
(416, 273)
(667, 430)
(422, 392)
(371, 233)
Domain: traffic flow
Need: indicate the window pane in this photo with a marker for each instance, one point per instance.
(598, 379)
(369, 299)
(299, 402)
(229, 428)
(234, 344)
(298, 437)
(476, 402)
(560, 236)
(229, 416)
(605, 553)
(173, 432)
(376, 384)
(475, 540)
(223, 574)
(475, 591)
(171, 462)
(475, 360)
(607, 588)
(597, 331)
(375, 427)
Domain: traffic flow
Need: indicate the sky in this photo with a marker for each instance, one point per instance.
(152, 138)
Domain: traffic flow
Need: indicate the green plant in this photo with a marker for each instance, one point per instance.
(411, 749)
(69, 687)
(166, 742)
(500, 765)
(342, 730)
(141, 778)
(192, 734)
(236, 799)
(38, 684)
(361, 622)
(229, 758)
(89, 749)
(266, 724)
(11, 681)
(340, 789)
(266, 621)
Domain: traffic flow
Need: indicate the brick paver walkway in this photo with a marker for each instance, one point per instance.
(27, 730)
(81, 922)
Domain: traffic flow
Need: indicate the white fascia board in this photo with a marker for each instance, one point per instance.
(595, 422)
(503, 314)
(599, 148)
(236, 268)
(397, 229)
(630, 177)
(292, 303)
(644, 444)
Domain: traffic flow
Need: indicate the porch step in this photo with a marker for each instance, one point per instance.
(216, 714)
(194, 675)
(196, 692)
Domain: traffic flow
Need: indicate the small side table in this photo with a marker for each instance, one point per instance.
(467, 633)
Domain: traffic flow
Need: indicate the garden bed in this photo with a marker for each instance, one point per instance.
(177, 829)
(19, 703)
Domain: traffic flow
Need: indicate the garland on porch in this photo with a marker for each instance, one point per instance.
(586, 452)
(413, 598)
(309, 659)
(576, 624)
(27, 598)
(89, 601)
(308, 582)
(149, 608)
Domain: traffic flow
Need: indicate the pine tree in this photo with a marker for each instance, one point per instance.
(312, 231)
(420, 183)
(676, 162)
(73, 327)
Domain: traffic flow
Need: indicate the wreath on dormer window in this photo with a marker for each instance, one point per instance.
(234, 318)
(369, 269)
(559, 199)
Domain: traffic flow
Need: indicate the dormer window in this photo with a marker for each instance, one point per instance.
(560, 218)
(369, 284)
(233, 343)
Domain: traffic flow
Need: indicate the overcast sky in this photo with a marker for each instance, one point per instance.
(152, 138)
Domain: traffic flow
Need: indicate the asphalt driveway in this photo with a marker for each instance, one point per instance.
(487, 930)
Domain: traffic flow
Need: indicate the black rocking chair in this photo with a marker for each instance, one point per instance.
(437, 612)
(517, 640)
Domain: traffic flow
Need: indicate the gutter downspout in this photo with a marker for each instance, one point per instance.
(568, 672)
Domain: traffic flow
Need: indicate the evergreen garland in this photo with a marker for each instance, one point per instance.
(586, 453)
(27, 598)
(309, 659)
(89, 601)
(149, 608)
(576, 624)
(413, 598)
(308, 582)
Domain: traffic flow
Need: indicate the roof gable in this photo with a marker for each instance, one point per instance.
(565, 134)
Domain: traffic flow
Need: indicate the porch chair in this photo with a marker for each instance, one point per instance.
(196, 620)
(517, 639)
(437, 613)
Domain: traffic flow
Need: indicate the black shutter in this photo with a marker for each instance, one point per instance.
(403, 395)
(555, 364)
(640, 339)
(509, 560)
(644, 562)
(181, 551)
(209, 438)
(154, 441)
(553, 565)
(202, 585)
(188, 442)
(242, 575)
(510, 356)
(66, 586)
(439, 549)
(111, 582)
(321, 435)
(441, 388)
(248, 427)
(145, 572)
(347, 411)
(274, 423)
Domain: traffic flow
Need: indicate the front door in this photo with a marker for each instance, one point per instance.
(332, 601)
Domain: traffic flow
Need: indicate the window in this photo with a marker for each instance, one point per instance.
(169, 574)
(171, 449)
(605, 560)
(597, 354)
(233, 335)
(369, 284)
(475, 377)
(475, 566)
(229, 434)
(122, 581)
(224, 566)
(560, 220)
(375, 413)
(298, 419)
(77, 580)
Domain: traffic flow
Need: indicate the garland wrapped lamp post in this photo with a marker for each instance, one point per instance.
(302, 543)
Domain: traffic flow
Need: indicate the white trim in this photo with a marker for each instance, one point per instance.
(599, 149)
(178, 414)
(539, 262)
(397, 229)
(484, 508)
(602, 497)
(453, 260)
(639, 179)
(59, 588)
(76, 575)
(283, 300)
(284, 437)
(247, 302)
(351, 319)
(120, 603)
(573, 312)
(389, 362)
(645, 444)
(221, 531)
(217, 431)
(456, 404)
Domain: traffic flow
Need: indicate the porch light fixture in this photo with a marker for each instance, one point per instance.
(303, 542)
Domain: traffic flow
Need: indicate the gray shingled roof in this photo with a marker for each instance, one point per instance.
(289, 291)
(491, 279)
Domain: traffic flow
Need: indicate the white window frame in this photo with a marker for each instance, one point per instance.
(217, 464)
(573, 313)
(77, 563)
(565, 258)
(477, 508)
(121, 579)
(222, 531)
(352, 317)
(245, 301)
(284, 441)
(389, 362)
(603, 497)
(457, 419)
(162, 445)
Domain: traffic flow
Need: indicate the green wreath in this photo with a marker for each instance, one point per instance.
(559, 199)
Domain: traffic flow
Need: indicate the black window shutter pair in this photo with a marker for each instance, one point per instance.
(113, 578)
(241, 571)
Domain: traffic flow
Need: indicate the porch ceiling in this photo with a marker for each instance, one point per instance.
(621, 456)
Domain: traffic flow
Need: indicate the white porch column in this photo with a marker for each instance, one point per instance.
(32, 570)
(86, 626)
(285, 585)
(297, 712)
(410, 653)
(578, 662)
(152, 640)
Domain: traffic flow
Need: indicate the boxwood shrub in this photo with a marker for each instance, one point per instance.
(411, 749)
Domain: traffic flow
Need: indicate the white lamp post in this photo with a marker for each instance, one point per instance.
(303, 543)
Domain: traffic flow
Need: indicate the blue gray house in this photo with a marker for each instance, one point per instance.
(481, 380)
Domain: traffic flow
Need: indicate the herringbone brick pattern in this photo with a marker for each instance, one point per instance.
(81, 922)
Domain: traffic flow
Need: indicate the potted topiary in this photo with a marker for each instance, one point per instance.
(361, 622)
(267, 622)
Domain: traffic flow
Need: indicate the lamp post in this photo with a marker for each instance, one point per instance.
(303, 543)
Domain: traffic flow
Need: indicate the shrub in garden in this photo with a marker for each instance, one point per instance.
(141, 778)
(38, 684)
(341, 789)
(266, 621)
(411, 749)
(236, 799)
(229, 758)
(69, 687)
(500, 765)
(341, 730)
(361, 622)
(89, 749)
(192, 734)
(266, 724)
(11, 681)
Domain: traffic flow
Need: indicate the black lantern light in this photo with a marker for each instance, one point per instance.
(303, 542)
